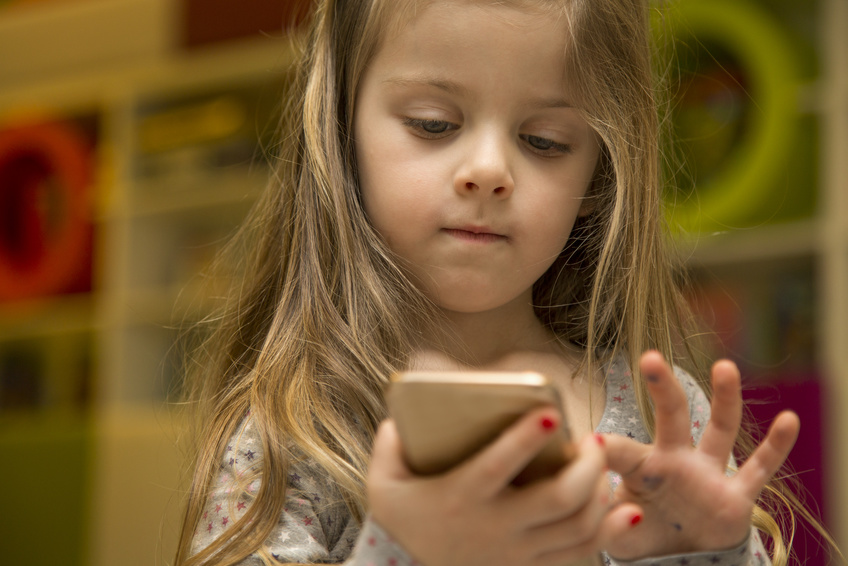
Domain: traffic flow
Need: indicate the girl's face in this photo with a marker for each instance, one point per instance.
(473, 164)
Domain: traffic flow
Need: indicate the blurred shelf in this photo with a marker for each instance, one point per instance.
(52, 316)
(172, 306)
(771, 242)
(233, 187)
(249, 59)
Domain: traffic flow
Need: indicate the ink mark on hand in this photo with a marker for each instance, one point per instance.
(652, 482)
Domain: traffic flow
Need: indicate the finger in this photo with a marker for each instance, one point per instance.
(584, 554)
(770, 454)
(726, 413)
(618, 529)
(625, 455)
(493, 468)
(670, 404)
(576, 527)
(387, 455)
(561, 496)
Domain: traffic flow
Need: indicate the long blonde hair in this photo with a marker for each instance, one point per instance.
(325, 314)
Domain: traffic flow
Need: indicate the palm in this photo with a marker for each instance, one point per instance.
(690, 503)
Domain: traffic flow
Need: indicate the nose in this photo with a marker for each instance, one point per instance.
(486, 169)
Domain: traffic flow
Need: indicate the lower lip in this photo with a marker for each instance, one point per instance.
(481, 238)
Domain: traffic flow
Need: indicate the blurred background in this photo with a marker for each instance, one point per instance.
(133, 136)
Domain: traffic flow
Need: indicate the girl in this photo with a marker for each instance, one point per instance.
(466, 184)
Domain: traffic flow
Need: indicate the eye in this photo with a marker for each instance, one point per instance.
(430, 129)
(544, 146)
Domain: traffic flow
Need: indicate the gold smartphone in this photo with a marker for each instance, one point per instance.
(443, 418)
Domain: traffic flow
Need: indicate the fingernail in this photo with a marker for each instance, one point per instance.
(547, 423)
(599, 439)
(637, 518)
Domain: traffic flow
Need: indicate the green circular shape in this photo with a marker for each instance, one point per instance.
(746, 181)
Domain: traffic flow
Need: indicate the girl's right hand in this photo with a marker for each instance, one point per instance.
(472, 515)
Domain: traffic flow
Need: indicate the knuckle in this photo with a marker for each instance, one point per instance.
(563, 499)
(489, 470)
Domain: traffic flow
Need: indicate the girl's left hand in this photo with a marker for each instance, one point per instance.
(690, 504)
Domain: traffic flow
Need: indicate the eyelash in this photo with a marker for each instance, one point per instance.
(424, 127)
(550, 149)
(421, 127)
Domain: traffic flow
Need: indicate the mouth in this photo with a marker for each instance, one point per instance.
(476, 234)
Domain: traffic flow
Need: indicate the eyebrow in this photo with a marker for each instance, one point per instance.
(452, 87)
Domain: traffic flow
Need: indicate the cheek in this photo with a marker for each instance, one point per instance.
(394, 200)
(397, 188)
(552, 229)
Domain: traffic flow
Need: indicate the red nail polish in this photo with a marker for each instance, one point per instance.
(548, 423)
(636, 519)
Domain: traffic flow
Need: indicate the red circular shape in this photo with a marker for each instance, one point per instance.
(45, 172)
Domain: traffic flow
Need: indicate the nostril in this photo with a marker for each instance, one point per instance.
(470, 186)
(498, 190)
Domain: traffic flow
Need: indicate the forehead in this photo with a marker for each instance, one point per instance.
(394, 15)
(505, 46)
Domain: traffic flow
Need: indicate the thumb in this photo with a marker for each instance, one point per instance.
(387, 455)
(623, 454)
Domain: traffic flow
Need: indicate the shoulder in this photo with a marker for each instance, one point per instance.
(315, 524)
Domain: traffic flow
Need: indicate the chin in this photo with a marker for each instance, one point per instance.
(479, 303)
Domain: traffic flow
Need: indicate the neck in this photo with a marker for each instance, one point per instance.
(485, 339)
